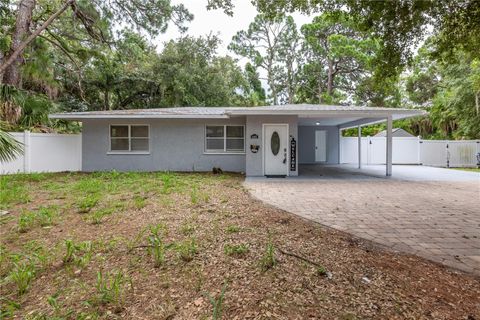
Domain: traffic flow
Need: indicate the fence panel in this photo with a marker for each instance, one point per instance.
(46, 152)
(349, 150)
(462, 153)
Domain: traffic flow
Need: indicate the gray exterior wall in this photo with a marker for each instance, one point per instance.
(254, 161)
(306, 144)
(175, 145)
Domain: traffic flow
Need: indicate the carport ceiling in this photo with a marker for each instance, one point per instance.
(325, 121)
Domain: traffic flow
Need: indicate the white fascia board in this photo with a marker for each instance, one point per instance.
(332, 113)
(133, 116)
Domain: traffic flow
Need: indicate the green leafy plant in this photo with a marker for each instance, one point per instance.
(157, 246)
(46, 216)
(26, 221)
(321, 271)
(187, 249)
(88, 202)
(140, 202)
(22, 275)
(78, 254)
(111, 287)
(268, 260)
(217, 303)
(235, 249)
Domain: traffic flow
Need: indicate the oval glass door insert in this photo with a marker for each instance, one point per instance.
(275, 143)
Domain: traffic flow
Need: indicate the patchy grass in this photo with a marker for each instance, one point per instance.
(165, 245)
(468, 169)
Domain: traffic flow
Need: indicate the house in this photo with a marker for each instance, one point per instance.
(396, 133)
(259, 141)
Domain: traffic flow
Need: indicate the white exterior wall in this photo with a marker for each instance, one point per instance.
(46, 152)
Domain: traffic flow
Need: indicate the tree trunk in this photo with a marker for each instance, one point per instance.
(330, 78)
(11, 74)
(320, 90)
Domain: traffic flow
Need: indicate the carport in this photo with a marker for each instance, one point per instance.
(320, 130)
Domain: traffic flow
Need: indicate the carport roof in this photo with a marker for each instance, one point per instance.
(301, 110)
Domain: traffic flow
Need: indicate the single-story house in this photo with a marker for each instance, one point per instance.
(259, 141)
(396, 133)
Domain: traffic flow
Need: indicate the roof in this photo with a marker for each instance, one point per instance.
(227, 112)
(396, 132)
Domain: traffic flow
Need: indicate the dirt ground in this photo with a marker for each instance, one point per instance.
(212, 236)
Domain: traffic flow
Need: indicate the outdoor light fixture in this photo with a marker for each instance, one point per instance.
(317, 123)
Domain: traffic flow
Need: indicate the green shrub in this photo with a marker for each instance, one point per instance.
(235, 249)
(187, 249)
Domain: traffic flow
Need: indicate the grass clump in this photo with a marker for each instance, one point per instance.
(78, 254)
(87, 203)
(188, 229)
(233, 229)
(26, 221)
(157, 246)
(97, 216)
(186, 249)
(44, 217)
(111, 288)
(268, 260)
(235, 249)
(12, 191)
(217, 303)
(139, 202)
(22, 275)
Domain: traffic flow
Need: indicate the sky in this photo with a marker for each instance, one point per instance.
(217, 22)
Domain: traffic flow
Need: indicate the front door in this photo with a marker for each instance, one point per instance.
(275, 149)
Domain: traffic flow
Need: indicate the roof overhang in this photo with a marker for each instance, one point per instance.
(80, 117)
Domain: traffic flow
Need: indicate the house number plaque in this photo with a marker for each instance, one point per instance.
(293, 154)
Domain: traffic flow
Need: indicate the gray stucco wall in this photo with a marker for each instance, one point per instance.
(175, 145)
(254, 161)
(306, 144)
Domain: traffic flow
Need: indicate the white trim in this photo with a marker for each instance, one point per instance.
(129, 137)
(135, 116)
(265, 148)
(224, 138)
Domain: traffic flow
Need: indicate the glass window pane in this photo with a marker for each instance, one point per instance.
(234, 131)
(235, 145)
(119, 131)
(139, 144)
(214, 131)
(215, 144)
(119, 144)
(139, 131)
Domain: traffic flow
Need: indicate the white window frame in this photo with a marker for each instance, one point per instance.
(129, 151)
(224, 138)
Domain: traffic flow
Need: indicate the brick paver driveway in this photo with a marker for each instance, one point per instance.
(438, 220)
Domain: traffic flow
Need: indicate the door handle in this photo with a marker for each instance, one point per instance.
(285, 157)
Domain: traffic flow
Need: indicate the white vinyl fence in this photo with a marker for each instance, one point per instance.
(437, 153)
(46, 152)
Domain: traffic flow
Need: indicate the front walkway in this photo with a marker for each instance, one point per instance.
(430, 212)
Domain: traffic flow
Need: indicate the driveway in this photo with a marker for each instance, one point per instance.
(430, 212)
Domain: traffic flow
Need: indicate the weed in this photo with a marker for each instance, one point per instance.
(89, 186)
(22, 275)
(7, 308)
(140, 202)
(233, 229)
(187, 249)
(235, 249)
(39, 252)
(168, 182)
(26, 221)
(217, 303)
(111, 287)
(77, 254)
(188, 229)
(87, 203)
(12, 192)
(194, 195)
(96, 217)
(321, 271)
(136, 240)
(5, 261)
(157, 246)
(268, 259)
(46, 216)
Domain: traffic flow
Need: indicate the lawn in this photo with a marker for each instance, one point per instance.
(198, 246)
(468, 169)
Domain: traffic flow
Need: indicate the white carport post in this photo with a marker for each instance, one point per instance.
(389, 155)
(359, 147)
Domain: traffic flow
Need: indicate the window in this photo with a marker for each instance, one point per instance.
(219, 139)
(129, 138)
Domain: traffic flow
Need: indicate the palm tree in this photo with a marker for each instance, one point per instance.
(9, 147)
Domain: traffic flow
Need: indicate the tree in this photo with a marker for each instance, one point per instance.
(341, 59)
(270, 44)
(254, 90)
